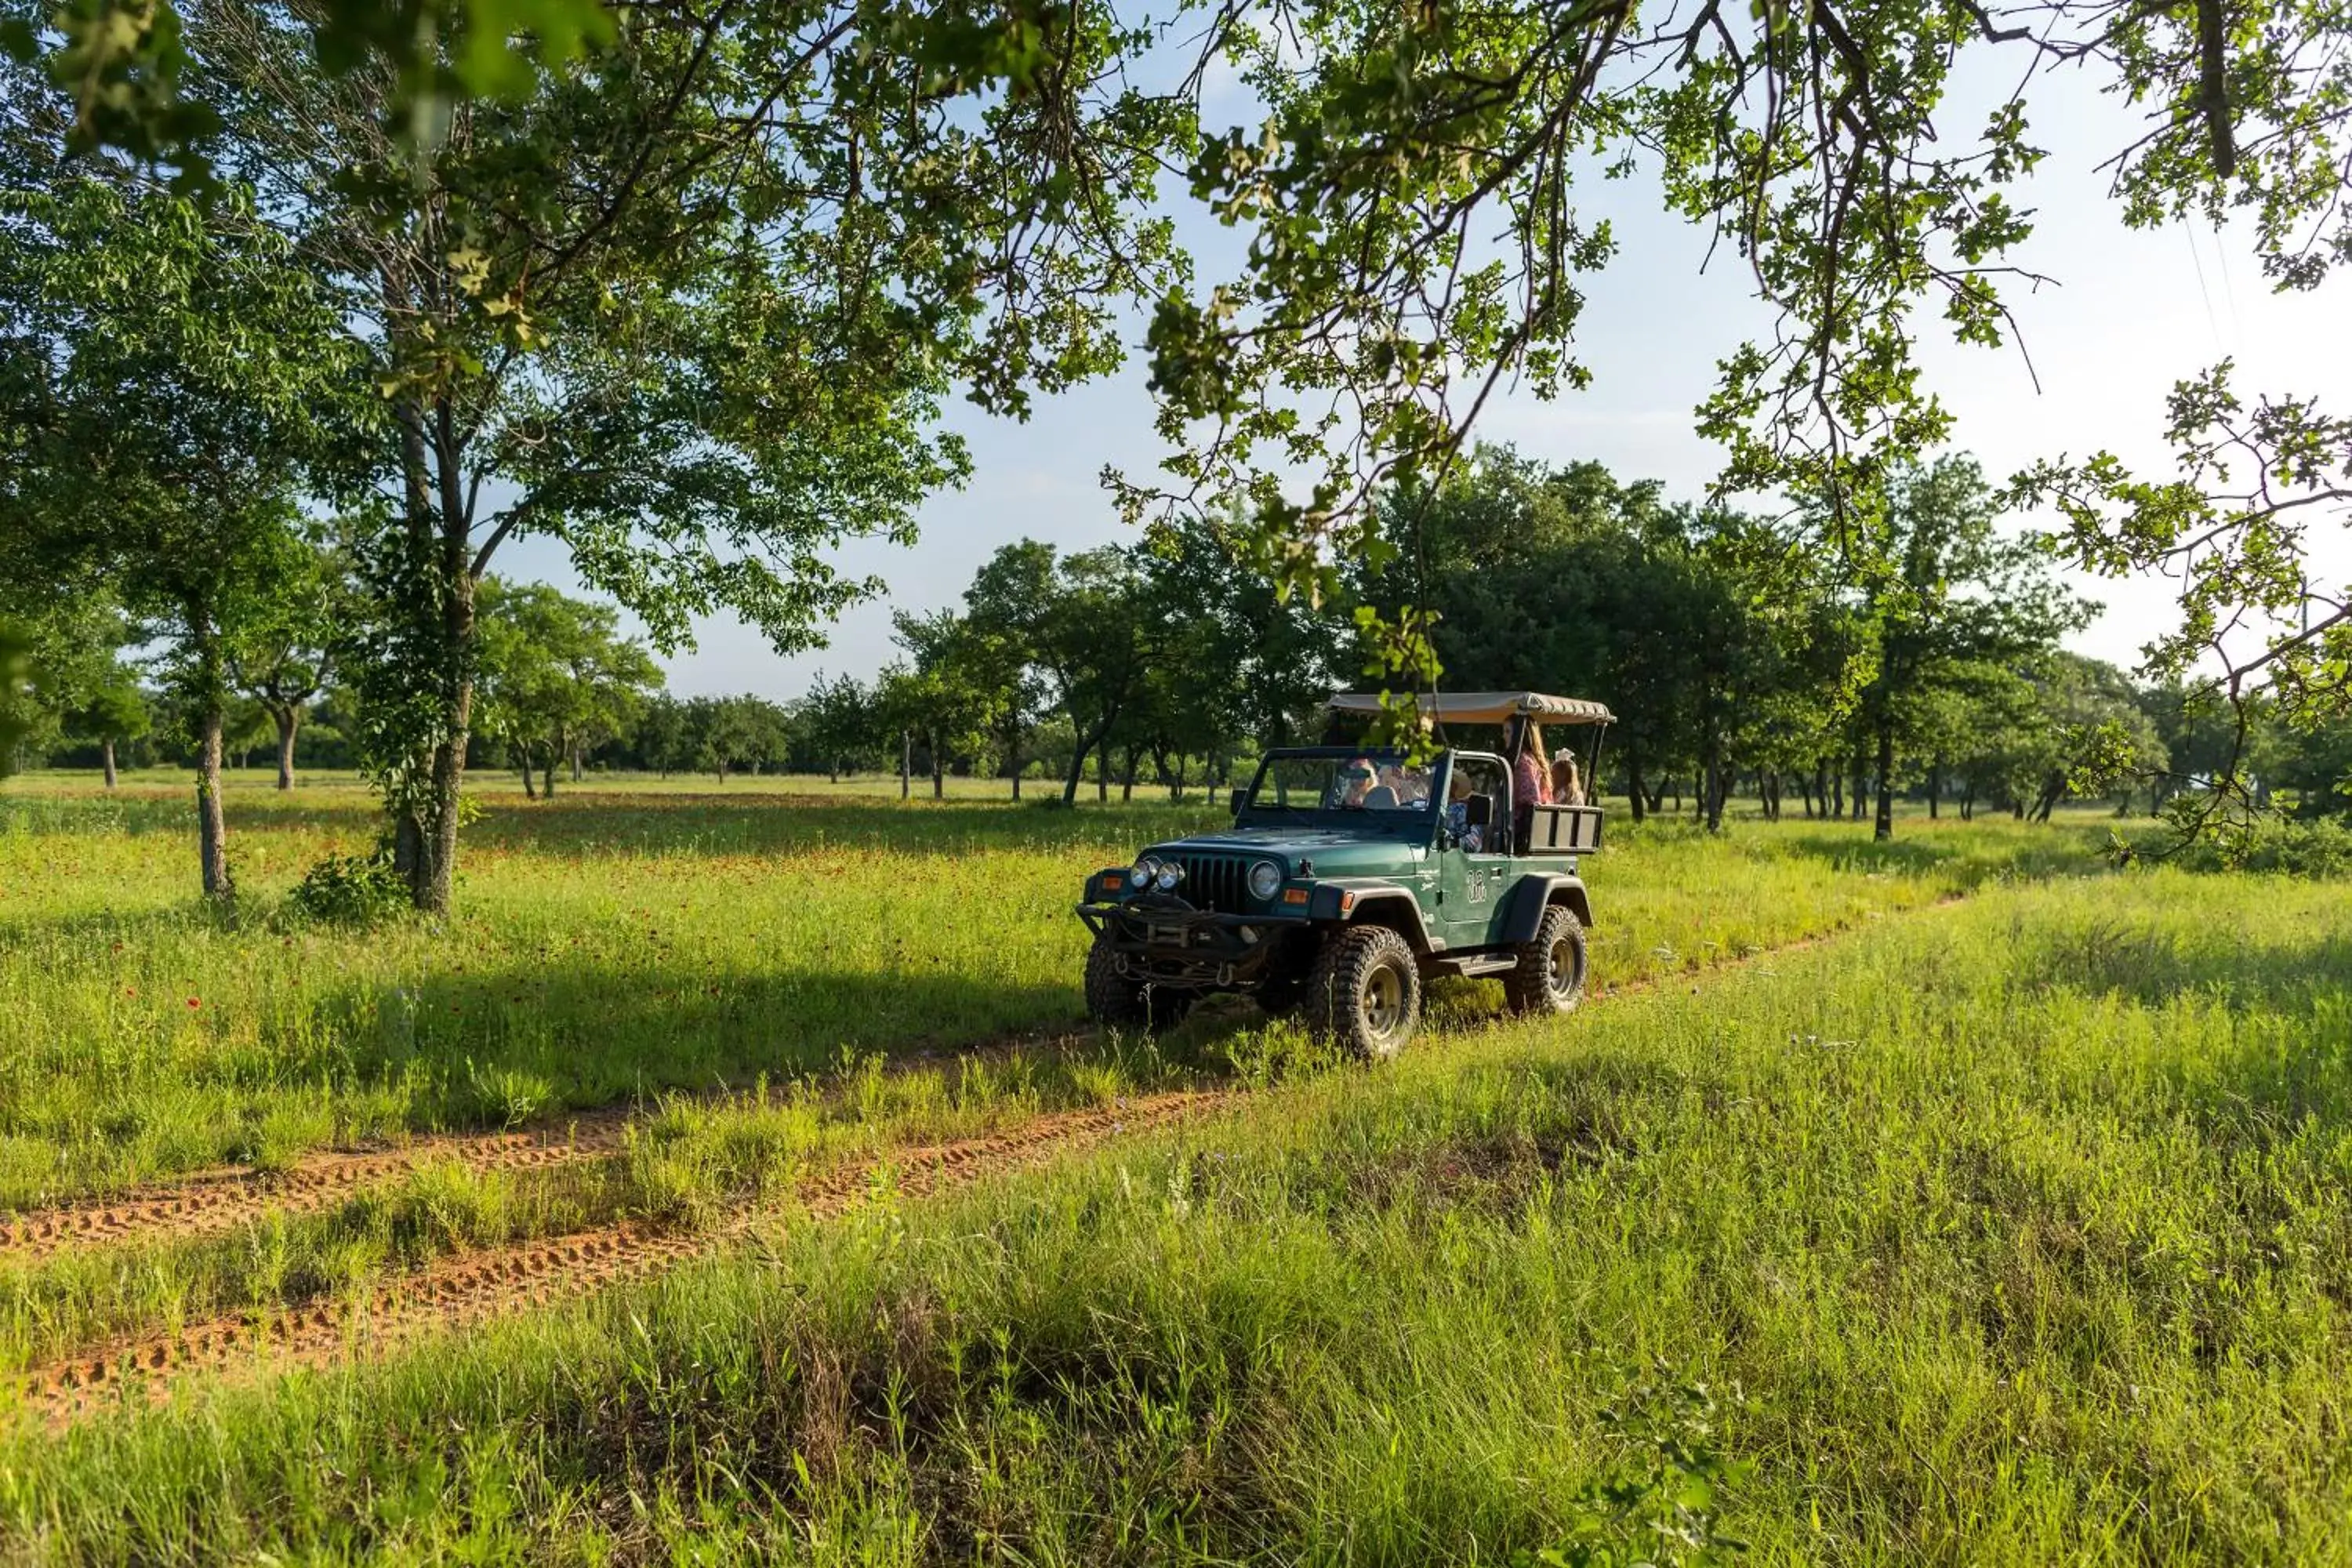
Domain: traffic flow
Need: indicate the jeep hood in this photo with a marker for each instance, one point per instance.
(1277, 840)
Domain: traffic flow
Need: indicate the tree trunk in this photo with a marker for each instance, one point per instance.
(905, 764)
(522, 762)
(105, 759)
(1884, 827)
(576, 763)
(434, 885)
(288, 720)
(1098, 737)
(1637, 797)
(939, 775)
(407, 844)
(1934, 792)
(547, 774)
(1127, 777)
(212, 824)
(441, 531)
(1012, 751)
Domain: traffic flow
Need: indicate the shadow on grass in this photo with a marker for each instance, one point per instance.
(709, 824)
(610, 821)
(2290, 1067)
(2036, 855)
(489, 1050)
(2151, 966)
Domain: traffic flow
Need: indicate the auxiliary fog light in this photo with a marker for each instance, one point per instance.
(1265, 880)
(1145, 869)
(1169, 875)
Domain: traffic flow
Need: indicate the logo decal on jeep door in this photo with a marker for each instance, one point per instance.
(1478, 885)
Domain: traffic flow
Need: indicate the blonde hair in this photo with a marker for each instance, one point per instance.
(1573, 785)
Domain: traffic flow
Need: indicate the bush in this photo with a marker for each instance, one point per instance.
(2281, 844)
(351, 890)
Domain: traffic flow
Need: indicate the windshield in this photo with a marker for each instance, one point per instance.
(1375, 782)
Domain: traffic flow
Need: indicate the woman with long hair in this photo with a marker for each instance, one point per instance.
(1567, 787)
(1530, 785)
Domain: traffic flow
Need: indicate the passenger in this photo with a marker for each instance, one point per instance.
(1567, 788)
(1530, 786)
(1457, 813)
(1355, 781)
(1410, 785)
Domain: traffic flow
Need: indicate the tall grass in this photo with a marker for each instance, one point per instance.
(2015, 1231)
(612, 945)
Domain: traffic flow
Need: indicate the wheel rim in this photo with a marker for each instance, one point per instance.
(1383, 1002)
(1563, 968)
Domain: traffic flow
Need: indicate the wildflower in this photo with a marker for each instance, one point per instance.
(196, 1002)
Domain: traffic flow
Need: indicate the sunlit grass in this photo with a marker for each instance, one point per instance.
(610, 945)
(2015, 1231)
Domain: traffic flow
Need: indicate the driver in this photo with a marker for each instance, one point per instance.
(1355, 781)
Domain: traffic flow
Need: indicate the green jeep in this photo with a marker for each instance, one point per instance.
(1351, 876)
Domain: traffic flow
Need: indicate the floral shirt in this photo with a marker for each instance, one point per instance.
(1529, 784)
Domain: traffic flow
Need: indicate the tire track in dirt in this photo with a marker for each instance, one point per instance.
(216, 1201)
(219, 1200)
(211, 1202)
(222, 1200)
(474, 1286)
(470, 1287)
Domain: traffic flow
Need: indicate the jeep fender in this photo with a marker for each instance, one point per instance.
(1536, 892)
(1349, 900)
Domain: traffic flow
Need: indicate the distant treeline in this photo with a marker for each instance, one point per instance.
(1736, 662)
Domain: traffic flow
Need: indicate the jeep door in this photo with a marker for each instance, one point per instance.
(1472, 877)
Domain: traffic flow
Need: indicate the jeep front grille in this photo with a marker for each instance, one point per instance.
(1218, 883)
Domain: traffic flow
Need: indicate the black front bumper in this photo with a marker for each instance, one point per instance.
(1170, 943)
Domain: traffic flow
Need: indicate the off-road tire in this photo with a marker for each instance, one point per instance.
(1552, 968)
(1116, 1002)
(1365, 992)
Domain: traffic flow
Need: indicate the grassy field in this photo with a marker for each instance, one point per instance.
(613, 945)
(2010, 1228)
(2011, 1231)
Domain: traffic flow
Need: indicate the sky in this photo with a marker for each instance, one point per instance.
(2131, 314)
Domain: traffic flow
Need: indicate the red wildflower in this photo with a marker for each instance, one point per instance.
(196, 1002)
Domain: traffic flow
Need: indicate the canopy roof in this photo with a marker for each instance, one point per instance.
(1484, 707)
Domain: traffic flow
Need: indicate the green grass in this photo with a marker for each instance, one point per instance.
(616, 944)
(2014, 1231)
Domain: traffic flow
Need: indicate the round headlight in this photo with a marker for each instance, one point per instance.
(1145, 869)
(1265, 880)
(1169, 875)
